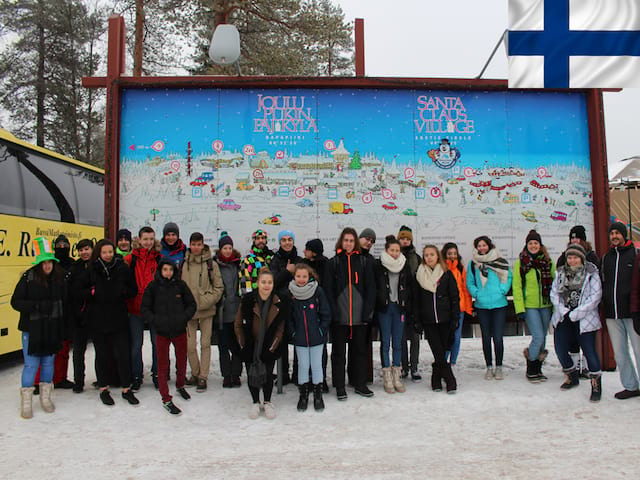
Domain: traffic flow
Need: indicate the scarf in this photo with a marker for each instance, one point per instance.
(570, 284)
(305, 292)
(428, 278)
(394, 265)
(106, 267)
(491, 261)
(542, 266)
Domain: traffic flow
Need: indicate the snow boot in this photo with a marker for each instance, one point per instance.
(254, 411)
(596, 388)
(303, 401)
(572, 379)
(26, 400)
(541, 358)
(318, 403)
(269, 410)
(397, 379)
(436, 378)
(387, 380)
(533, 367)
(449, 379)
(45, 397)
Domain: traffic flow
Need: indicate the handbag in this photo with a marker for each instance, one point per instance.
(257, 374)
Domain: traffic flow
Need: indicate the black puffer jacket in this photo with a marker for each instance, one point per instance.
(442, 307)
(351, 289)
(78, 310)
(168, 304)
(404, 287)
(41, 312)
(106, 287)
(319, 264)
(617, 273)
(278, 266)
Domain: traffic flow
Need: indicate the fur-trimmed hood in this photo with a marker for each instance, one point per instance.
(136, 244)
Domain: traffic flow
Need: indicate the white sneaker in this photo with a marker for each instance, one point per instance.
(497, 373)
(488, 375)
(269, 410)
(254, 411)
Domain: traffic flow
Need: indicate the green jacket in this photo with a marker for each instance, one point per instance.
(530, 294)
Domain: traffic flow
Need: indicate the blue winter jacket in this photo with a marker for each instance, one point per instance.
(493, 294)
(310, 319)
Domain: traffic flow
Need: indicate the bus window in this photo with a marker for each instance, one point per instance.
(11, 193)
(90, 188)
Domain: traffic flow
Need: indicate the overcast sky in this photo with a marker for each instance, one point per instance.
(433, 38)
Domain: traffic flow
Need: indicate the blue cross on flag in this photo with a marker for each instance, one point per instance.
(574, 43)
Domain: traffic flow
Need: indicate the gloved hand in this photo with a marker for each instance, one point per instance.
(45, 307)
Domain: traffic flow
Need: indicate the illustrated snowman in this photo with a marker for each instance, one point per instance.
(445, 156)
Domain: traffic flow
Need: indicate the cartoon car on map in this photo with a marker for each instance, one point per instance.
(272, 220)
(488, 211)
(390, 206)
(410, 212)
(529, 216)
(570, 203)
(305, 202)
(340, 207)
(559, 216)
(198, 182)
(228, 204)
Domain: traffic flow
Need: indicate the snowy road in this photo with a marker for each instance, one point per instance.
(489, 429)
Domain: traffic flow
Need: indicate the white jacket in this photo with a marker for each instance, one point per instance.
(587, 310)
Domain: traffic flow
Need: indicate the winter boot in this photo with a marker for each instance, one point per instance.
(318, 403)
(541, 358)
(572, 379)
(449, 379)
(26, 399)
(269, 410)
(387, 380)
(303, 401)
(45, 397)
(436, 378)
(533, 367)
(397, 380)
(596, 388)
(254, 411)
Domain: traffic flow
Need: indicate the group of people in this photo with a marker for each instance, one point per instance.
(258, 304)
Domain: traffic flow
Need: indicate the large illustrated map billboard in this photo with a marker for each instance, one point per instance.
(451, 164)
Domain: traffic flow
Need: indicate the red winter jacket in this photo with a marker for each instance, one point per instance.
(146, 263)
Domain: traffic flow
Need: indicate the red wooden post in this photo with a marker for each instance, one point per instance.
(600, 188)
(359, 34)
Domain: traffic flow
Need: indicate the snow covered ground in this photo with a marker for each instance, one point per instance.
(489, 429)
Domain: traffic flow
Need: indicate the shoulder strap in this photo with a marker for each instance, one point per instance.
(210, 270)
(134, 260)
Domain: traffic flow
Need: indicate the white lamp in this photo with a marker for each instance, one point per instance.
(225, 45)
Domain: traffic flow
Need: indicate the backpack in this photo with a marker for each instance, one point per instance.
(209, 269)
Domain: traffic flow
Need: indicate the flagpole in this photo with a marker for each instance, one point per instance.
(493, 53)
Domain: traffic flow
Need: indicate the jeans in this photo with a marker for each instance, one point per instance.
(538, 323)
(310, 357)
(136, 329)
(60, 364)
(391, 321)
(180, 348)
(566, 335)
(31, 364)
(621, 332)
(230, 362)
(492, 327)
(452, 355)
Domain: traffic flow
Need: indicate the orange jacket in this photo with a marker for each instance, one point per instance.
(461, 281)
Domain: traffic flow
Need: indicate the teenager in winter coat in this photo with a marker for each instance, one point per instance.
(456, 266)
(260, 256)
(533, 275)
(39, 297)
(259, 328)
(173, 247)
(124, 242)
(202, 275)
(350, 287)
(107, 286)
(78, 312)
(228, 260)
(314, 257)
(143, 262)
(410, 352)
(393, 299)
(283, 265)
(617, 273)
(437, 312)
(309, 325)
(168, 305)
(576, 294)
(488, 281)
(367, 240)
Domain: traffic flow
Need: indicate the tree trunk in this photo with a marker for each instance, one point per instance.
(40, 81)
(139, 34)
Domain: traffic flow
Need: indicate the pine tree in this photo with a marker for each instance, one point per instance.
(355, 164)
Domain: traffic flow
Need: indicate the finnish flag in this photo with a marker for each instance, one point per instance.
(574, 43)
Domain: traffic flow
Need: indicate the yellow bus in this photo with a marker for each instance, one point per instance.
(42, 194)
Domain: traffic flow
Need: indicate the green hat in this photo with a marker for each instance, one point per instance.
(43, 251)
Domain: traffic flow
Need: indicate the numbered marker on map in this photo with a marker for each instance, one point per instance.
(248, 150)
(409, 173)
(329, 145)
(175, 165)
(299, 192)
(158, 146)
(367, 198)
(218, 145)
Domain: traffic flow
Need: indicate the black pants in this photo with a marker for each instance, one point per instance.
(438, 337)
(79, 340)
(230, 363)
(411, 352)
(118, 344)
(357, 354)
(267, 387)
